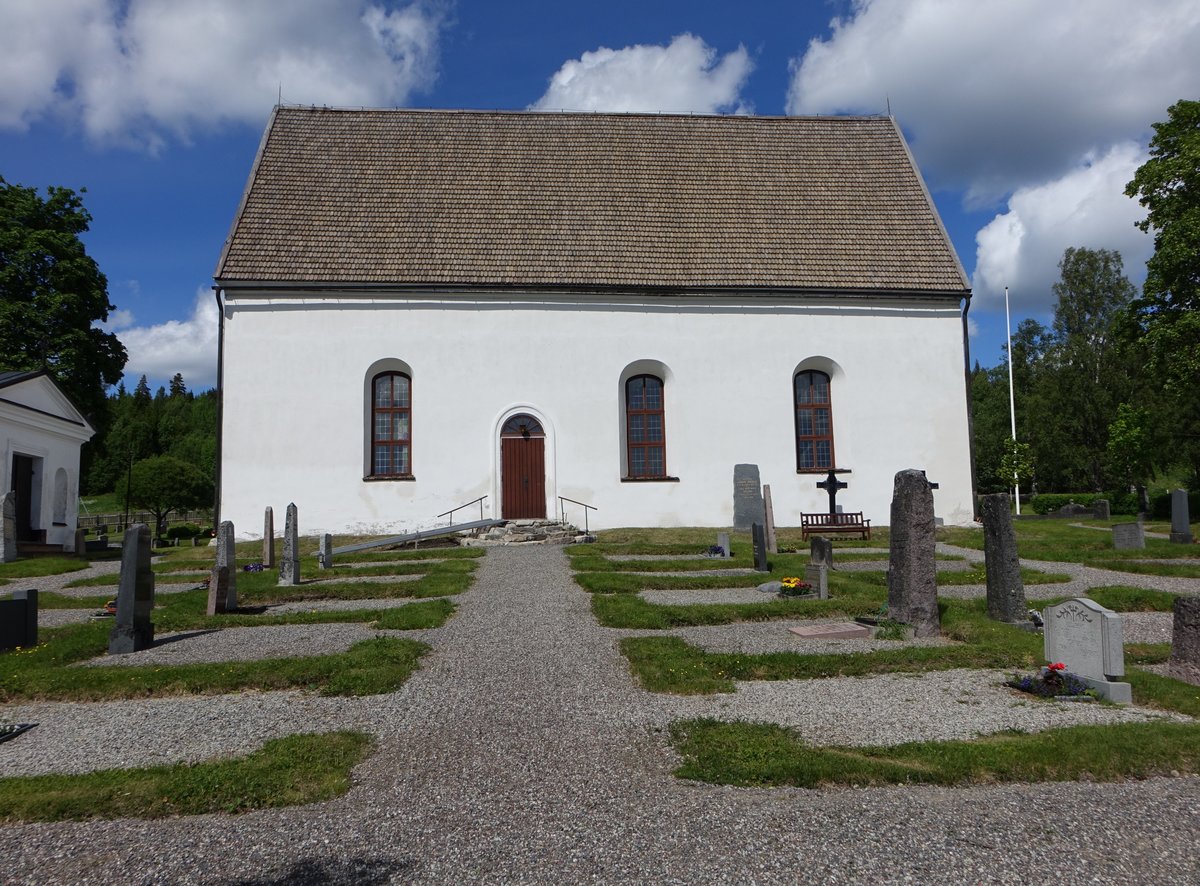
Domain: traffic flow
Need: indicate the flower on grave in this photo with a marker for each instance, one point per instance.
(793, 587)
(1057, 666)
(1053, 680)
(790, 582)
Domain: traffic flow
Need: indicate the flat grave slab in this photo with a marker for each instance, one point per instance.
(845, 630)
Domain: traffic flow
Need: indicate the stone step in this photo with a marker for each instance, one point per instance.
(38, 549)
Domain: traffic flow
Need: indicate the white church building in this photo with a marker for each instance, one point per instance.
(422, 308)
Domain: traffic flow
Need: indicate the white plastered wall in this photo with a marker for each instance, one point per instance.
(295, 421)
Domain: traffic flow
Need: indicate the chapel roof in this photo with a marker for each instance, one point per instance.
(412, 198)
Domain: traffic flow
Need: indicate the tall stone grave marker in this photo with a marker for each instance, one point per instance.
(222, 584)
(268, 557)
(8, 531)
(1005, 588)
(133, 630)
(1128, 536)
(289, 566)
(1185, 640)
(912, 570)
(80, 543)
(760, 547)
(1087, 638)
(820, 551)
(723, 544)
(325, 555)
(19, 620)
(1181, 529)
(747, 498)
(769, 516)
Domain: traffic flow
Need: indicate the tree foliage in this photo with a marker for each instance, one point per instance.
(163, 483)
(51, 295)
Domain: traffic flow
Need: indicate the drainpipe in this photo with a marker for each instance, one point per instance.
(970, 406)
(220, 406)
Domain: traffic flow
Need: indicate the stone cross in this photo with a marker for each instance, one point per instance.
(1181, 529)
(760, 548)
(1185, 640)
(912, 569)
(769, 510)
(8, 531)
(268, 556)
(222, 584)
(289, 566)
(325, 555)
(133, 630)
(832, 484)
(1005, 587)
(820, 551)
(747, 498)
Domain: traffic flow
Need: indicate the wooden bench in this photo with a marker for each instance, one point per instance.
(828, 524)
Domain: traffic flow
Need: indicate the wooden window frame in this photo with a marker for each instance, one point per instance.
(645, 446)
(813, 406)
(377, 410)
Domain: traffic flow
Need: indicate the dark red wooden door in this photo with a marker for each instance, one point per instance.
(523, 473)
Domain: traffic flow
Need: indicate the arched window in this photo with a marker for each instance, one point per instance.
(814, 422)
(644, 427)
(391, 423)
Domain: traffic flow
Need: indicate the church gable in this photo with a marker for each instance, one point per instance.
(34, 397)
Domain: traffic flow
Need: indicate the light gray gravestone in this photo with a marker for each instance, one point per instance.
(1184, 663)
(747, 498)
(8, 531)
(19, 620)
(820, 551)
(289, 566)
(268, 556)
(1128, 536)
(912, 568)
(1005, 588)
(769, 516)
(325, 555)
(1181, 529)
(723, 544)
(817, 575)
(222, 584)
(760, 547)
(1087, 638)
(1101, 509)
(133, 630)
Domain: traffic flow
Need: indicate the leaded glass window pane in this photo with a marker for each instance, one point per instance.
(804, 449)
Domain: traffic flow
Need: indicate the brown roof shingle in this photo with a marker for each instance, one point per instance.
(520, 199)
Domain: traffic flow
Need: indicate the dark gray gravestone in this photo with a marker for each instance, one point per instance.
(820, 551)
(760, 547)
(325, 555)
(268, 556)
(1005, 588)
(289, 566)
(747, 498)
(1181, 530)
(218, 590)
(222, 584)
(133, 630)
(912, 569)
(8, 529)
(769, 517)
(723, 544)
(1128, 536)
(19, 620)
(1101, 509)
(1185, 640)
(80, 542)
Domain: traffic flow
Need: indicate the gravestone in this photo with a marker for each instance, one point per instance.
(133, 630)
(769, 516)
(325, 555)
(1128, 536)
(80, 542)
(1184, 663)
(1073, 509)
(747, 498)
(760, 548)
(19, 620)
(845, 630)
(1087, 638)
(222, 584)
(8, 531)
(1181, 530)
(1005, 588)
(820, 552)
(289, 566)
(268, 556)
(1101, 509)
(817, 575)
(723, 544)
(912, 569)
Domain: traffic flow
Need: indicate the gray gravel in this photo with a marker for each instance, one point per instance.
(523, 752)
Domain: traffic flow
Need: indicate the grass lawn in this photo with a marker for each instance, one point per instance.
(1059, 541)
(32, 567)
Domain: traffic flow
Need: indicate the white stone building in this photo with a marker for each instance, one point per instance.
(41, 432)
(420, 308)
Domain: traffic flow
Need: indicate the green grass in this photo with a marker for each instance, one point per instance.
(978, 576)
(32, 567)
(765, 754)
(1119, 598)
(1059, 541)
(631, 611)
(287, 771)
(1177, 570)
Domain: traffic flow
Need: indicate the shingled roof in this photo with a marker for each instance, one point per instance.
(409, 198)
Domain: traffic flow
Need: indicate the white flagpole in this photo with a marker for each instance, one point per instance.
(1012, 407)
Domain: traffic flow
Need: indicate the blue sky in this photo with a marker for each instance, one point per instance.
(1027, 118)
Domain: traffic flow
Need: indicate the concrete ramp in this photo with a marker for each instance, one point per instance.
(419, 536)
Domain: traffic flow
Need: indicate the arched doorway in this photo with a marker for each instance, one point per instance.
(523, 469)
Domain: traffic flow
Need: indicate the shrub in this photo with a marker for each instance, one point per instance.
(183, 530)
(1160, 505)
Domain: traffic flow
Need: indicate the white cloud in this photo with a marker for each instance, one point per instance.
(141, 70)
(117, 319)
(1021, 247)
(682, 77)
(186, 346)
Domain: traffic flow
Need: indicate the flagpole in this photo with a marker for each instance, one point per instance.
(1012, 407)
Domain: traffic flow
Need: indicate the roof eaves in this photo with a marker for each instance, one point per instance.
(237, 217)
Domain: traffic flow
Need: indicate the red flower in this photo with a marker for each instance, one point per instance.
(1057, 666)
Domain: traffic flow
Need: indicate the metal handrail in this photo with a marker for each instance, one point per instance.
(450, 513)
(562, 511)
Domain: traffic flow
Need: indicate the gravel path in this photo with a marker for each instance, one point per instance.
(523, 752)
